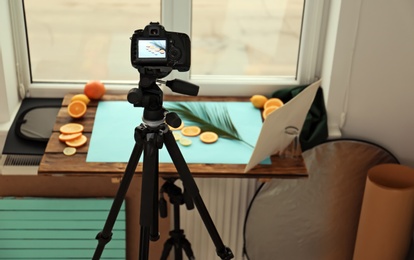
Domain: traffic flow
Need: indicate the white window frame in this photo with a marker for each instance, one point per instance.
(310, 57)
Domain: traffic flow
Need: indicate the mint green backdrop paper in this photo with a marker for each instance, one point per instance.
(112, 137)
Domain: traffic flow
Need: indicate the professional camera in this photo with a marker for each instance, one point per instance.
(155, 52)
(154, 48)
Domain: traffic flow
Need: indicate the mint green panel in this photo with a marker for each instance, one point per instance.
(45, 228)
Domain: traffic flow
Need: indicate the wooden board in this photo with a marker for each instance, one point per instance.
(54, 161)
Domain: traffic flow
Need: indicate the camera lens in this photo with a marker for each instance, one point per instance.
(154, 31)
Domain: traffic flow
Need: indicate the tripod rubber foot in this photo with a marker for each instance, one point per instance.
(225, 254)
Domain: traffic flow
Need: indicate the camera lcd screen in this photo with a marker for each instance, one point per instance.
(152, 49)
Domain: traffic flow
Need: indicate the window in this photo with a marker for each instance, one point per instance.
(249, 38)
(78, 40)
(239, 47)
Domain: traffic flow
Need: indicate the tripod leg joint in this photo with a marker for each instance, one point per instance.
(102, 239)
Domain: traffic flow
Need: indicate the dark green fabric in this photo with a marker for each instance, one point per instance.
(315, 127)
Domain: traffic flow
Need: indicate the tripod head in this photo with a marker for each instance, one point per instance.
(149, 96)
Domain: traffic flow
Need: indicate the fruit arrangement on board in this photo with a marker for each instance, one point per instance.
(182, 133)
(93, 90)
(267, 104)
(72, 133)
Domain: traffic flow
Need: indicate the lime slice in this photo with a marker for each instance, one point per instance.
(177, 136)
(69, 151)
(185, 141)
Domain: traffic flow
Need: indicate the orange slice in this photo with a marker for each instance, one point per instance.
(273, 102)
(269, 110)
(68, 137)
(78, 142)
(208, 137)
(71, 128)
(77, 108)
(191, 131)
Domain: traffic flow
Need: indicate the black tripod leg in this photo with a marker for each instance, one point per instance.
(149, 195)
(177, 233)
(167, 248)
(184, 172)
(185, 244)
(106, 234)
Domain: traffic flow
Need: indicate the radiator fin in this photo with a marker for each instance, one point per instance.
(22, 160)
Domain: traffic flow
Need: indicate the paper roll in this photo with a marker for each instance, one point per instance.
(387, 214)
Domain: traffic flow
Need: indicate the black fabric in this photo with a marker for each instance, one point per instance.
(315, 127)
(15, 144)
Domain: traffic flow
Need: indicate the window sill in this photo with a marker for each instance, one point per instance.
(334, 131)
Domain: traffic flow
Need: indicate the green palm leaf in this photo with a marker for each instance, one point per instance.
(208, 118)
(159, 45)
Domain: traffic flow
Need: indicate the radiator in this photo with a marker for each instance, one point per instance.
(17, 164)
(227, 201)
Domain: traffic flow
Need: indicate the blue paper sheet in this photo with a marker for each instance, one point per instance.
(112, 137)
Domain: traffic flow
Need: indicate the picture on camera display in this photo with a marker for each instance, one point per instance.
(152, 49)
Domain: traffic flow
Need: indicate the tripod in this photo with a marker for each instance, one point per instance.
(149, 138)
(177, 238)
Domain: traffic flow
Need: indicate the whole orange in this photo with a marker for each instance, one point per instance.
(94, 89)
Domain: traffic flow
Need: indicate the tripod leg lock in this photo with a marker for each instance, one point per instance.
(102, 239)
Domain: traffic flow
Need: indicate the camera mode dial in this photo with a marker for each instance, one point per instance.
(174, 54)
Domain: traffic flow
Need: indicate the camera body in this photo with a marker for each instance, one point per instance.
(155, 48)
